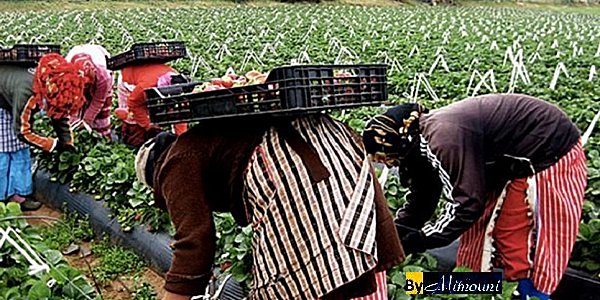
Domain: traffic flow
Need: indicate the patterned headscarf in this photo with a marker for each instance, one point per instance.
(58, 86)
(85, 64)
(390, 136)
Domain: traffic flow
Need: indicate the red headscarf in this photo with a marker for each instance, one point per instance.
(61, 84)
(85, 64)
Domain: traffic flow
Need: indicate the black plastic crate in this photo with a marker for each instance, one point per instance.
(288, 91)
(148, 52)
(27, 53)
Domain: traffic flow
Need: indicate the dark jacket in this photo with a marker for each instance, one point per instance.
(481, 143)
(16, 97)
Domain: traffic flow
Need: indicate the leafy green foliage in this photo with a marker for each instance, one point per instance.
(114, 261)
(72, 229)
(61, 282)
(234, 248)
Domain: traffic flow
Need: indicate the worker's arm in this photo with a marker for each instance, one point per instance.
(137, 104)
(425, 189)
(23, 118)
(181, 183)
(172, 296)
(460, 154)
(100, 95)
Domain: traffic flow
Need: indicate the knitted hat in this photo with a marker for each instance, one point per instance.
(58, 86)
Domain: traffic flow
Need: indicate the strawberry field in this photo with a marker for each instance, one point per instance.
(434, 55)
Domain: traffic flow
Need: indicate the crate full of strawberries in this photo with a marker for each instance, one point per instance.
(284, 91)
(27, 54)
(148, 52)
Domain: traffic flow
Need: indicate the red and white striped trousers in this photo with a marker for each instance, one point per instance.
(381, 293)
(531, 228)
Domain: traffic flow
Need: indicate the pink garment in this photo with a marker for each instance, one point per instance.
(122, 112)
(97, 52)
(96, 111)
(381, 293)
(165, 79)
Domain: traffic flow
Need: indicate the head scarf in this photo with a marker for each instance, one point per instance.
(392, 135)
(86, 66)
(58, 86)
(148, 154)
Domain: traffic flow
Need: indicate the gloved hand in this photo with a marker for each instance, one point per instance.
(413, 242)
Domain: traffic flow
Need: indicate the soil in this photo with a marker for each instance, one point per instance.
(119, 289)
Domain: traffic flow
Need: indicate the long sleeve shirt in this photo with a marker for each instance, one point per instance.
(202, 172)
(480, 143)
(96, 111)
(142, 77)
(16, 96)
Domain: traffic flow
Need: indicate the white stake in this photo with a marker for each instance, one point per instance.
(475, 61)
(588, 131)
(533, 57)
(560, 67)
(494, 46)
(439, 59)
(414, 50)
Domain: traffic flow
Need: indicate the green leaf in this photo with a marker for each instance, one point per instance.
(39, 291)
(53, 256)
(461, 269)
(135, 202)
(13, 209)
(411, 268)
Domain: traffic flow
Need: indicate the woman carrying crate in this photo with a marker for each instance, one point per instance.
(513, 171)
(91, 60)
(133, 111)
(322, 228)
(55, 87)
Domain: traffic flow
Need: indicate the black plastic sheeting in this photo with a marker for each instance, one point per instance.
(155, 250)
(575, 285)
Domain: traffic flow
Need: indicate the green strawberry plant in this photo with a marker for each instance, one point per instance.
(61, 282)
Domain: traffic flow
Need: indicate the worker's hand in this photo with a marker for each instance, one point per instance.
(413, 242)
(62, 147)
(83, 124)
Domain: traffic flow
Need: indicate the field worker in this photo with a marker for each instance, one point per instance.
(321, 224)
(55, 87)
(95, 115)
(133, 111)
(513, 171)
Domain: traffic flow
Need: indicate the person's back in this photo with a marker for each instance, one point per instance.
(306, 188)
(15, 87)
(505, 124)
